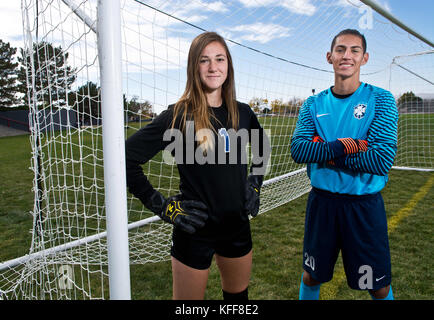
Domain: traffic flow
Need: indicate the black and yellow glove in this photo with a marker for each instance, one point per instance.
(253, 191)
(188, 215)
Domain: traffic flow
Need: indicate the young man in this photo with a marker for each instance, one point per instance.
(347, 135)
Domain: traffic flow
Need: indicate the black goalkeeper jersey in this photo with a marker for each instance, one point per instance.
(220, 185)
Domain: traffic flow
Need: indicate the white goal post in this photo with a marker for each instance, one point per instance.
(104, 69)
(109, 53)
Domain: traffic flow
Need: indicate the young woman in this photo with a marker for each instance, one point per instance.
(210, 215)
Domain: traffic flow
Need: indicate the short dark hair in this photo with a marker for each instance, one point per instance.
(352, 32)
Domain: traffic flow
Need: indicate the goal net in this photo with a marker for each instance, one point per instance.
(278, 49)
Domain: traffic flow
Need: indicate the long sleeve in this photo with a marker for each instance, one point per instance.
(303, 150)
(139, 149)
(382, 139)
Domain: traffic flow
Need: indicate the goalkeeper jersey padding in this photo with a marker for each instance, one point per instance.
(369, 113)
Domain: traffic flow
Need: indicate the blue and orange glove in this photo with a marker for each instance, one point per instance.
(342, 147)
(345, 146)
(317, 138)
(354, 145)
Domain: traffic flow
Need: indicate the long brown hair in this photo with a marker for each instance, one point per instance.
(193, 103)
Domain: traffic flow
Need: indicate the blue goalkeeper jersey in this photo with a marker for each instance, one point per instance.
(370, 114)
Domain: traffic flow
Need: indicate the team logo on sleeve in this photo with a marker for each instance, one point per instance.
(359, 111)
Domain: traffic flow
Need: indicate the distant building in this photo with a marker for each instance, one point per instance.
(51, 120)
(425, 106)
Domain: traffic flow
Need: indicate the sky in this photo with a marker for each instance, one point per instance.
(415, 13)
(418, 14)
(275, 43)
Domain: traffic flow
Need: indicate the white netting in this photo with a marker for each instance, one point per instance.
(278, 48)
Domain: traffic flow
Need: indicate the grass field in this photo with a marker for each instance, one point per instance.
(278, 244)
(277, 234)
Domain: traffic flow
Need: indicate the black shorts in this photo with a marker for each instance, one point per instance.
(197, 251)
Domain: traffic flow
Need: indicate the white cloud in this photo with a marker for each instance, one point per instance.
(299, 6)
(142, 28)
(10, 22)
(385, 4)
(218, 6)
(357, 3)
(259, 32)
(193, 11)
(303, 7)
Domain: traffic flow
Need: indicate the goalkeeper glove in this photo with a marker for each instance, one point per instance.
(340, 161)
(345, 146)
(317, 138)
(188, 215)
(350, 145)
(354, 145)
(253, 191)
(337, 162)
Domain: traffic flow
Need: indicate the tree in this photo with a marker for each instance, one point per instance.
(8, 75)
(86, 100)
(52, 76)
(409, 97)
(293, 107)
(139, 109)
(409, 102)
(289, 108)
(258, 104)
(276, 106)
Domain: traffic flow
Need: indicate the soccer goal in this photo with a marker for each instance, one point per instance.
(110, 72)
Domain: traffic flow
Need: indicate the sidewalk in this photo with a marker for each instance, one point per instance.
(6, 131)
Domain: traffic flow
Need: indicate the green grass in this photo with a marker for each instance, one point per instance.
(16, 197)
(277, 234)
(278, 244)
(415, 143)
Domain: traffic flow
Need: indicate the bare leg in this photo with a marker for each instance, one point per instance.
(308, 280)
(235, 272)
(380, 293)
(188, 283)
